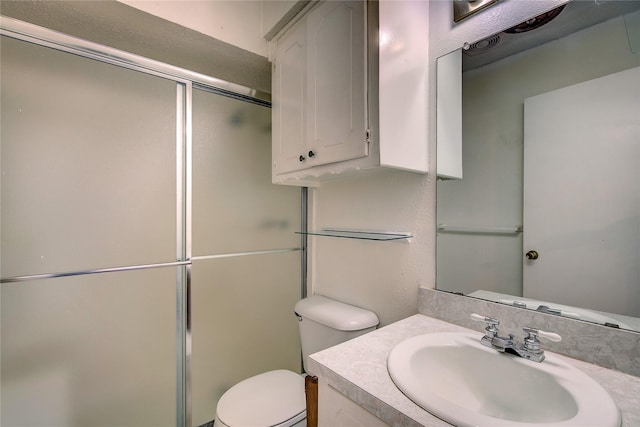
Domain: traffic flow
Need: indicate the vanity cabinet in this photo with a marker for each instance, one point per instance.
(326, 96)
(335, 409)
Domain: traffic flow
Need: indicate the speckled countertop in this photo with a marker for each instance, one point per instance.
(358, 370)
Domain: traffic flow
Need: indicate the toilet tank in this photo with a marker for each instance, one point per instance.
(324, 322)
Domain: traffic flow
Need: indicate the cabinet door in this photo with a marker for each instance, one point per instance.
(337, 119)
(289, 101)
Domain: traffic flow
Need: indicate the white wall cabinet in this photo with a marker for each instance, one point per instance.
(326, 95)
(319, 83)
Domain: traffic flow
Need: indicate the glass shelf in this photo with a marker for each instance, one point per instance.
(362, 235)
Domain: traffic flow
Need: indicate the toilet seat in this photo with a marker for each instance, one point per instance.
(274, 398)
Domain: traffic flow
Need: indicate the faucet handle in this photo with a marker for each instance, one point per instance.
(531, 342)
(535, 333)
(490, 321)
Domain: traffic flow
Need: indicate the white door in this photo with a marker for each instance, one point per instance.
(582, 194)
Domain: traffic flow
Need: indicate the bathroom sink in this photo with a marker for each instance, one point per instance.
(455, 378)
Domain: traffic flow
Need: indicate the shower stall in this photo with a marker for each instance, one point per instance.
(147, 261)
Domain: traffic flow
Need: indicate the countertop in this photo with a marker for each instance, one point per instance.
(358, 370)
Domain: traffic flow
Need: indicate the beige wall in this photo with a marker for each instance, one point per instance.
(235, 22)
(380, 276)
(240, 23)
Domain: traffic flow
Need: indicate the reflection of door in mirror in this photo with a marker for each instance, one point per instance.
(480, 247)
(582, 194)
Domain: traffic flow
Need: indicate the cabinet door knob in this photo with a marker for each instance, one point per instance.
(532, 255)
(311, 154)
(301, 158)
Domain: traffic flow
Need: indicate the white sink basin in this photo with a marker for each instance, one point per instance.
(457, 379)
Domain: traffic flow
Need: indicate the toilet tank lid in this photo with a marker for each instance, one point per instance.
(335, 314)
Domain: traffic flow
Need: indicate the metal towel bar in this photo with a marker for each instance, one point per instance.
(480, 230)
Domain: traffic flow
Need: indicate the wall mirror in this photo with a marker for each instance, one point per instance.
(543, 212)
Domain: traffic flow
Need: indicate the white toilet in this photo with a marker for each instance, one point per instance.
(277, 398)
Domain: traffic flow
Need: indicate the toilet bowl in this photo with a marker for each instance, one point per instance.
(274, 398)
(277, 398)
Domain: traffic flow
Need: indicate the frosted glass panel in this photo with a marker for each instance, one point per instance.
(88, 163)
(90, 350)
(243, 323)
(235, 206)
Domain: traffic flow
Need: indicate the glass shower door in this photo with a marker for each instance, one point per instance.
(246, 265)
(88, 181)
(112, 217)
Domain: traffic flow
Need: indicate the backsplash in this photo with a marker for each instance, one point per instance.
(601, 345)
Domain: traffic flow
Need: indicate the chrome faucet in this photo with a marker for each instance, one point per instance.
(528, 349)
